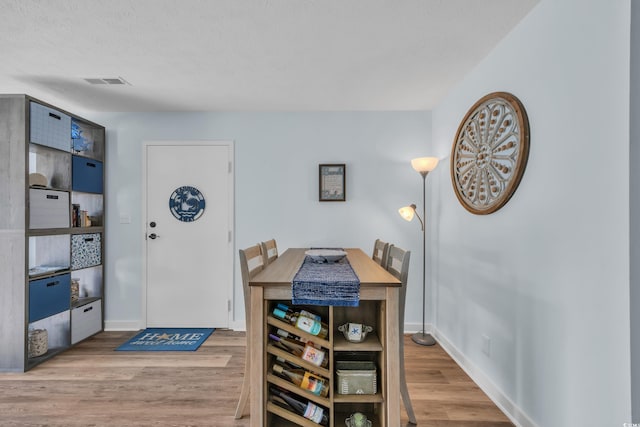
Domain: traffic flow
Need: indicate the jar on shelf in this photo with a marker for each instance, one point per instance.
(75, 290)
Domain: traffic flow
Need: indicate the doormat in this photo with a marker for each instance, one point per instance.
(167, 339)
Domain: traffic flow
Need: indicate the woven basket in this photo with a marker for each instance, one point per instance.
(38, 342)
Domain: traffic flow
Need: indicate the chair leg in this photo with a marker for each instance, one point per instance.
(244, 393)
(406, 399)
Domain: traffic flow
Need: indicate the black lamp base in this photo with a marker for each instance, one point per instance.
(423, 339)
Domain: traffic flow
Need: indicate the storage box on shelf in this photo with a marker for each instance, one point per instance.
(87, 175)
(48, 208)
(49, 127)
(86, 320)
(86, 250)
(38, 145)
(49, 296)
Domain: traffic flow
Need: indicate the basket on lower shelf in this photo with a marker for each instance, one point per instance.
(38, 342)
(356, 377)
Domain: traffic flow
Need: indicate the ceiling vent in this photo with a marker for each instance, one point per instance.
(108, 81)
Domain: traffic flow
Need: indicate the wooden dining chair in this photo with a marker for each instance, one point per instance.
(269, 251)
(398, 265)
(251, 263)
(380, 252)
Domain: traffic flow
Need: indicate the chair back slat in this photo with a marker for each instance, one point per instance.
(380, 252)
(269, 251)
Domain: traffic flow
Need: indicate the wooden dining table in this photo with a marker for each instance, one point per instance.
(275, 283)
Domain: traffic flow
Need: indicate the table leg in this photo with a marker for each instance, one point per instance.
(393, 364)
(257, 356)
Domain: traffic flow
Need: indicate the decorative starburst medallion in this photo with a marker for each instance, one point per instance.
(490, 153)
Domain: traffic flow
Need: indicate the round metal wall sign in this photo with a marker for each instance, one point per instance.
(186, 203)
(490, 153)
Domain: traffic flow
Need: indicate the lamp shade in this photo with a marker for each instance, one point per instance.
(424, 164)
(407, 212)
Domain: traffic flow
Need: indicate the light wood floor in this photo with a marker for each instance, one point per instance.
(92, 385)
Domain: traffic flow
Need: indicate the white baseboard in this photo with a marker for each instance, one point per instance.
(134, 325)
(122, 325)
(510, 409)
(412, 328)
(237, 326)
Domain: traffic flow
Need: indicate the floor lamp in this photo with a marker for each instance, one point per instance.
(423, 165)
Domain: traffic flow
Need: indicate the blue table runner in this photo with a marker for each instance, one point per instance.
(326, 284)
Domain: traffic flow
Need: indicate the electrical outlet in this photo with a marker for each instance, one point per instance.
(486, 345)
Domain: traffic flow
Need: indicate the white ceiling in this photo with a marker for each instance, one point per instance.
(247, 55)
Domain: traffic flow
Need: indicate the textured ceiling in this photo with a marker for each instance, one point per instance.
(247, 55)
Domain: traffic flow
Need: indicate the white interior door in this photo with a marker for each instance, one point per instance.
(189, 254)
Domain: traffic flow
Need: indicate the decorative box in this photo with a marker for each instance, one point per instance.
(86, 250)
(356, 377)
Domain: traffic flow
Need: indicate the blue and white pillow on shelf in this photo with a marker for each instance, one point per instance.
(80, 143)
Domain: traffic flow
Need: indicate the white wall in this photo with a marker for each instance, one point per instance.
(634, 200)
(276, 192)
(546, 278)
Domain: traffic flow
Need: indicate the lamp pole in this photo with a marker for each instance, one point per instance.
(422, 165)
(422, 337)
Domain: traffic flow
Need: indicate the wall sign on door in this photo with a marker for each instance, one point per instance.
(186, 203)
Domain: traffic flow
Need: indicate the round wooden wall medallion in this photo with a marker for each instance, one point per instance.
(490, 153)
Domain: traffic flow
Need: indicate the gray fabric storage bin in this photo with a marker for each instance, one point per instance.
(86, 320)
(50, 127)
(48, 209)
(356, 377)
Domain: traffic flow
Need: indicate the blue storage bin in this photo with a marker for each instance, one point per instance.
(49, 296)
(86, 175)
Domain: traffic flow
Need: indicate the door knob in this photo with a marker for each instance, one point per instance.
(153, 236)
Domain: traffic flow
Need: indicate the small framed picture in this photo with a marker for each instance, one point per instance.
(332, 182)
